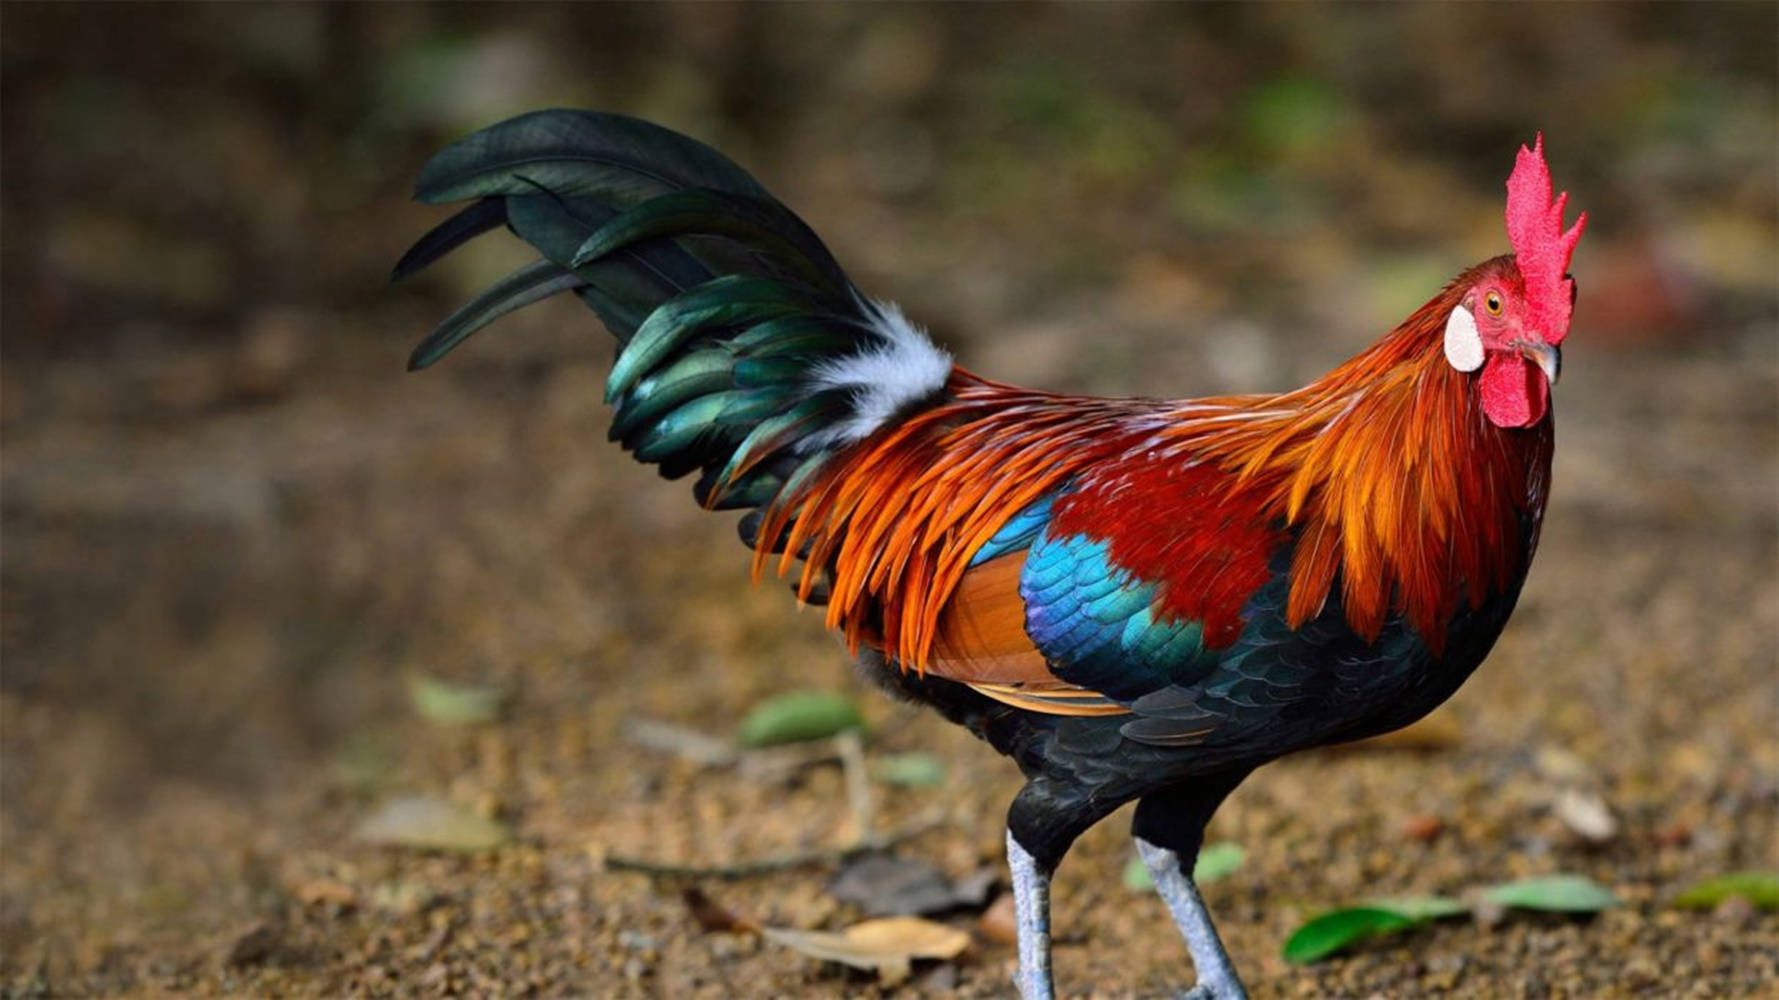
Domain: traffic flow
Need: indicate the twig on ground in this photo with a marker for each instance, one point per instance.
(846, 748)
(779, 862)
(858, 782)
(681, 742)
(767, 764)
(777, 763)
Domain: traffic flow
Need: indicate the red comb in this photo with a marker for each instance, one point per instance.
(1540, 246)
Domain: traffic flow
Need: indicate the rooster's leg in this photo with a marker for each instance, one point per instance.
(1031, 909)
(1044, 819)
(1216, 975)
(1169, 828)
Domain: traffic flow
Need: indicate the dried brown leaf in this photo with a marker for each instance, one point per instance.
(431, 824)
(326, 892)
(713, 917)
(891, 885)
(887, 947)
(252, 945)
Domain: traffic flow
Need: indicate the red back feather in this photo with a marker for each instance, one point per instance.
(1178, 524)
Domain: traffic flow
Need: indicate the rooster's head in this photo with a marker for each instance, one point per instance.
(1511, 321)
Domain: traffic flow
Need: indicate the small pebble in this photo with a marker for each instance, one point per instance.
(1586, 814)
(635, 969)
(636, 940)
(1641, 970)
(1423, 828)
(1674, 835)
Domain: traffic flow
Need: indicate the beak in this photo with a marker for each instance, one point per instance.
(1546, 356)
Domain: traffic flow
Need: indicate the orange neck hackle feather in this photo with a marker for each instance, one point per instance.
(1398, 487)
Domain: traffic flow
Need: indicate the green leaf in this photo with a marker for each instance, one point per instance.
(1136, 876)
(454, 704)
(797, 716)
(1759, 888)
(1214, 862)
(1217, 860)
(1559, 893)
(1338, 930)
(911, 770)
(363, 762)
(1419, 908)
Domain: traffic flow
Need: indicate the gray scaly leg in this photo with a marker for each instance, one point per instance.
(1031, 910)
(1216, 975)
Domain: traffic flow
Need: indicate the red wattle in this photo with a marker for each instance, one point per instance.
(1514, 393)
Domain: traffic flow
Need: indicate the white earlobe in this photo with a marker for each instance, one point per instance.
(1463, 345)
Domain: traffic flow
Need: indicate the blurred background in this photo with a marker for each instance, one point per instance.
(241, 545)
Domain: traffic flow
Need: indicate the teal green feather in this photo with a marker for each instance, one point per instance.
(688, 377)
(770, 371)
(804, 474)
(729, 300)
(777, 431)
(818, 334)
(753, 490)
(745, 408)
(680, 429)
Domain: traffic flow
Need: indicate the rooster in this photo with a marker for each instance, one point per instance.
(1135, 599)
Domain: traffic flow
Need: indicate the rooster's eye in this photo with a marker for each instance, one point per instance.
(1492, 302)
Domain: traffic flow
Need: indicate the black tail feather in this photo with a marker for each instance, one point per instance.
(532, 283)
(745, 352)
(451, 234)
